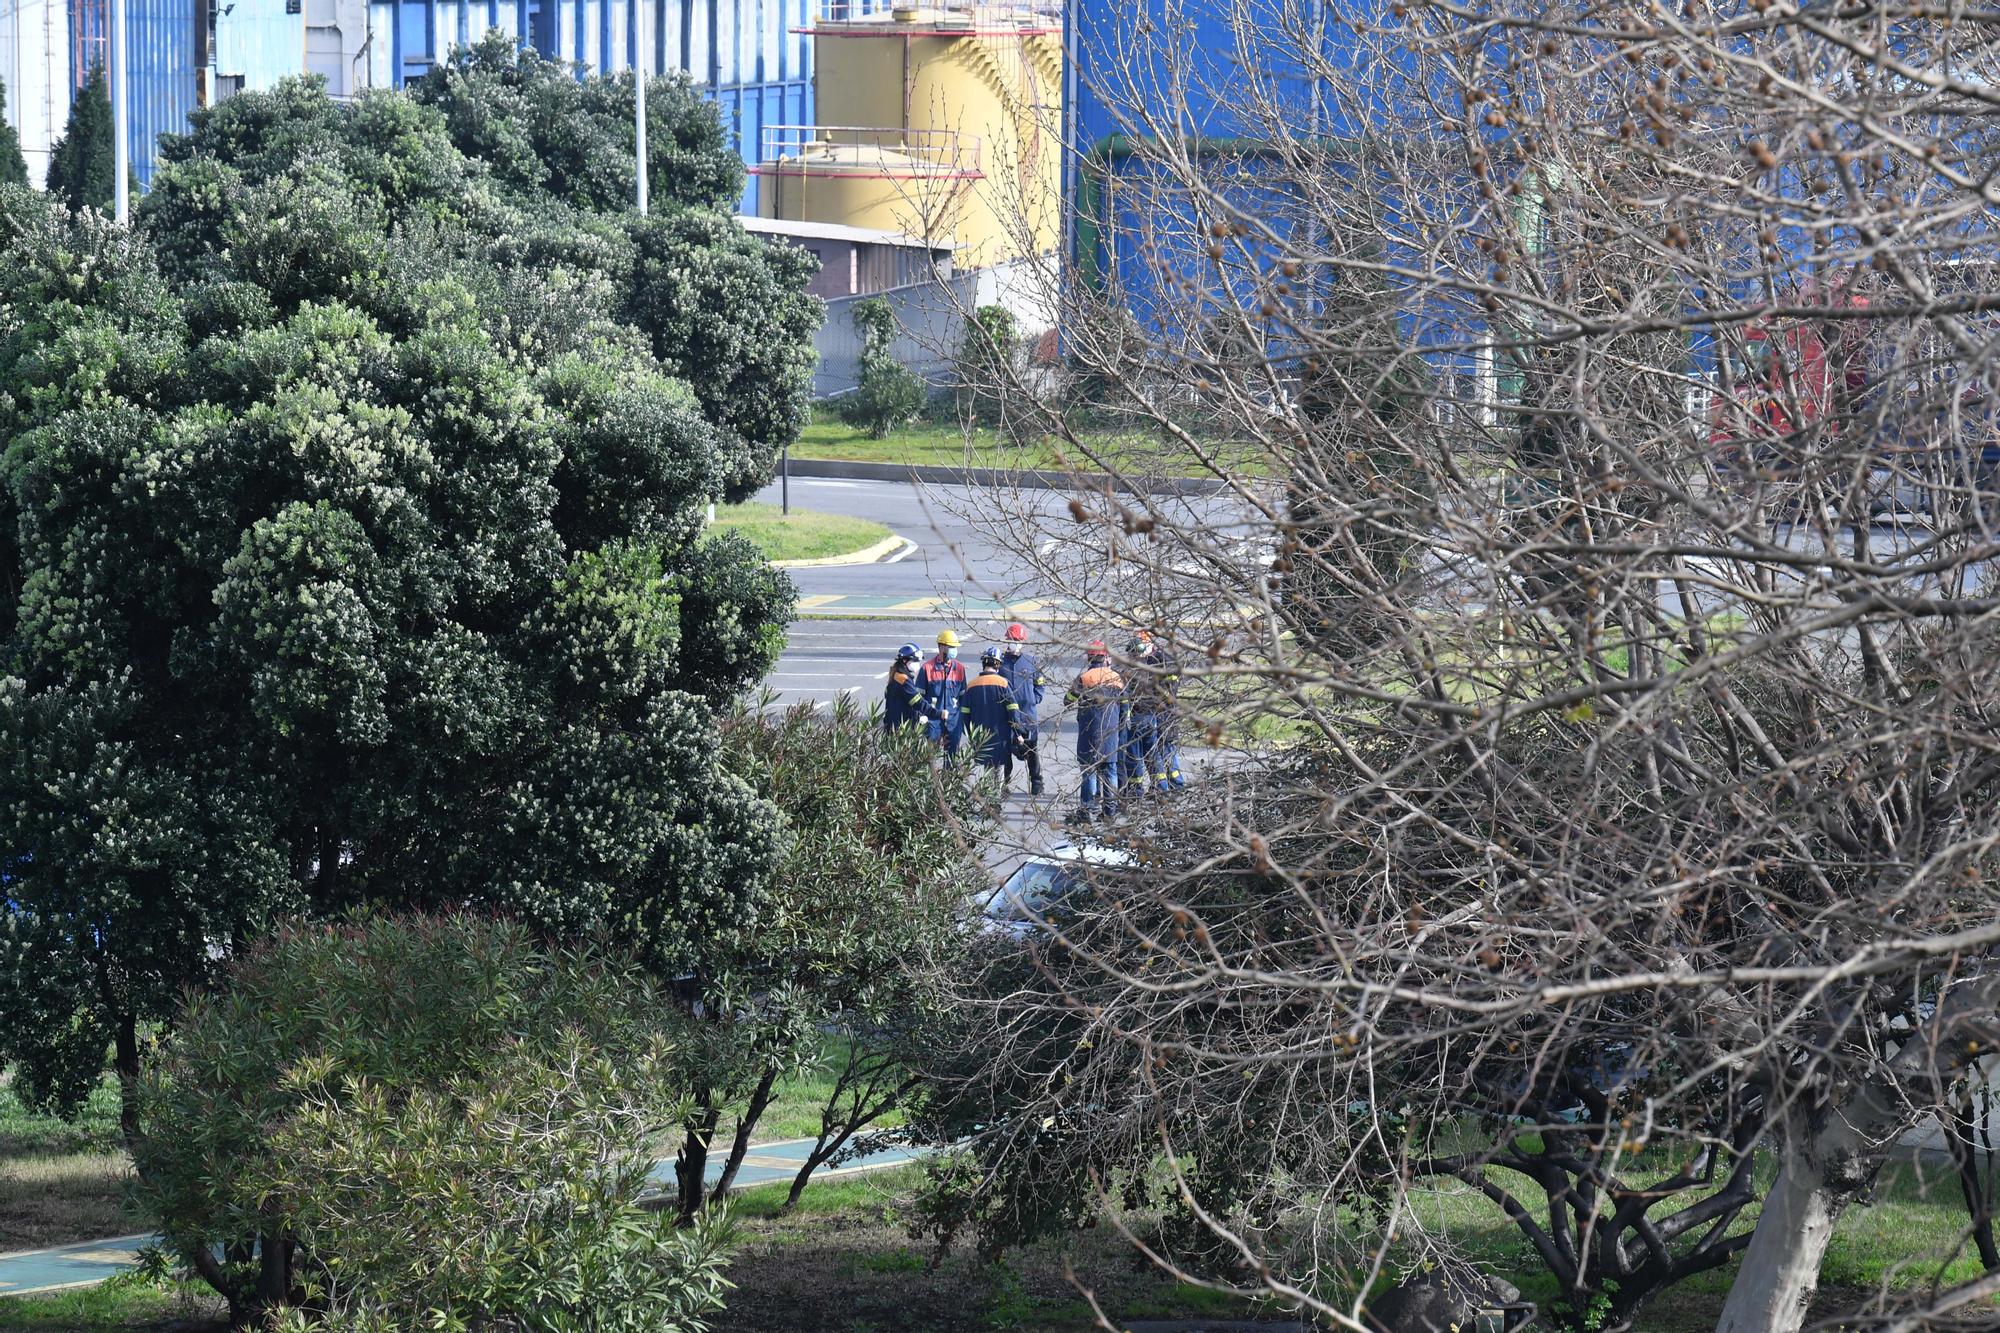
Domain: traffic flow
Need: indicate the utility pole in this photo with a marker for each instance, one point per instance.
(639, 93)
(121, 121)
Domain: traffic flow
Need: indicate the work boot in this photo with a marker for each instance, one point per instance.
(1080, 815)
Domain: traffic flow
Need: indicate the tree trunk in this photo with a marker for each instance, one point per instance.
(1780, 1269)
(745, 1127)
(691, 1162)
(125, 1062)
(1965, 1133)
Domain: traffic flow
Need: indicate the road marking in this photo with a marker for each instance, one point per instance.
(818, 599)
(917, 604)
(910, 548)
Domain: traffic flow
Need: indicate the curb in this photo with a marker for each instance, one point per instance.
(833, 469)
(867, 555)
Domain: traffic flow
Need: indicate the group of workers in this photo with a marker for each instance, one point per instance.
(1125, 731)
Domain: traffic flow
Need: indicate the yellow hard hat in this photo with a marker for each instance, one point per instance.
(948, 639)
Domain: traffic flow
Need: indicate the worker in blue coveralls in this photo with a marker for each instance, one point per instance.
(1024, 677)
(990, 711)
(943, 679)
(1099, 699)
(903, 702)
(1151, 758)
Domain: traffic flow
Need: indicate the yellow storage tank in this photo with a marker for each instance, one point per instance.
(980, 82)
(915, 183)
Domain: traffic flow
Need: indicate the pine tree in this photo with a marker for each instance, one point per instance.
(13, 167)
(80, 166)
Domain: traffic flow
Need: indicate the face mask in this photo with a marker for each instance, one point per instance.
(951, 654)
(1011, 652)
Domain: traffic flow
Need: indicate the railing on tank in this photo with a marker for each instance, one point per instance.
(889, 151)
(977, 15)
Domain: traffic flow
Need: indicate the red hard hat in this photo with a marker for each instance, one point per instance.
(1017, 633)
(1096, 646)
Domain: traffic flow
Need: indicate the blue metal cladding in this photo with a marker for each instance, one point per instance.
(1140, 68)
(748, 56)
(160, 41)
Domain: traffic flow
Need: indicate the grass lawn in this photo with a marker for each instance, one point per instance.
(951, 445)
(845, 1263)
(61, 1182)
(122, 1303)
(922, 444)
(804, 535)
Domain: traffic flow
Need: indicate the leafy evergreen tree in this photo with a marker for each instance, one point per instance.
(80, 167)
(349, 552)
(725, 310)
(13, 167)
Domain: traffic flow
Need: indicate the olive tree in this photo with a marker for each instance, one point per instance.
(416, 1120)
(844, 971)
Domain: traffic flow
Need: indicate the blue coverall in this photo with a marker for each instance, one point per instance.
(1150, 751)
(1024, 677)
(1099, 699)
(943, 679)
(903, 697)
(989, 705)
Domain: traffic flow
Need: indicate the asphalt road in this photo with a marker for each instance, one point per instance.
(970, 576)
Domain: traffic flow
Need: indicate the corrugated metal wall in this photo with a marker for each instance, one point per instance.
(746, 55)
(161, 44)
(34, 61)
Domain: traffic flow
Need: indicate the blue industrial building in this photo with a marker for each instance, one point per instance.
(1141, 70)
(751, 57)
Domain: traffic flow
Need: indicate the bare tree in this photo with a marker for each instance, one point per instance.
(1599, 606)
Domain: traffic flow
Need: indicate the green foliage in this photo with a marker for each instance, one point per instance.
(80, 169)
(333, 514)
(544, 131)
(734, 609)
(889, 395)
(861, 931)
(13, 166)
(728, 313)
(986, 366)
(723, 310)
(426, 1121)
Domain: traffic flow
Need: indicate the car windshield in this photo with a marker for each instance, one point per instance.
(1030, 890)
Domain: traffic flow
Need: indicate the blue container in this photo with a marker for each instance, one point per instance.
(746, 55)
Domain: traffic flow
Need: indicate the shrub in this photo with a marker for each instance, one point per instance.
(423, 1122)
(987, 366)
(889, 395)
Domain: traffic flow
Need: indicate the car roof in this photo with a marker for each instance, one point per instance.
(1088, 853)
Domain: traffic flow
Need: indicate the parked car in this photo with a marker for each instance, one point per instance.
(1034, 894)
